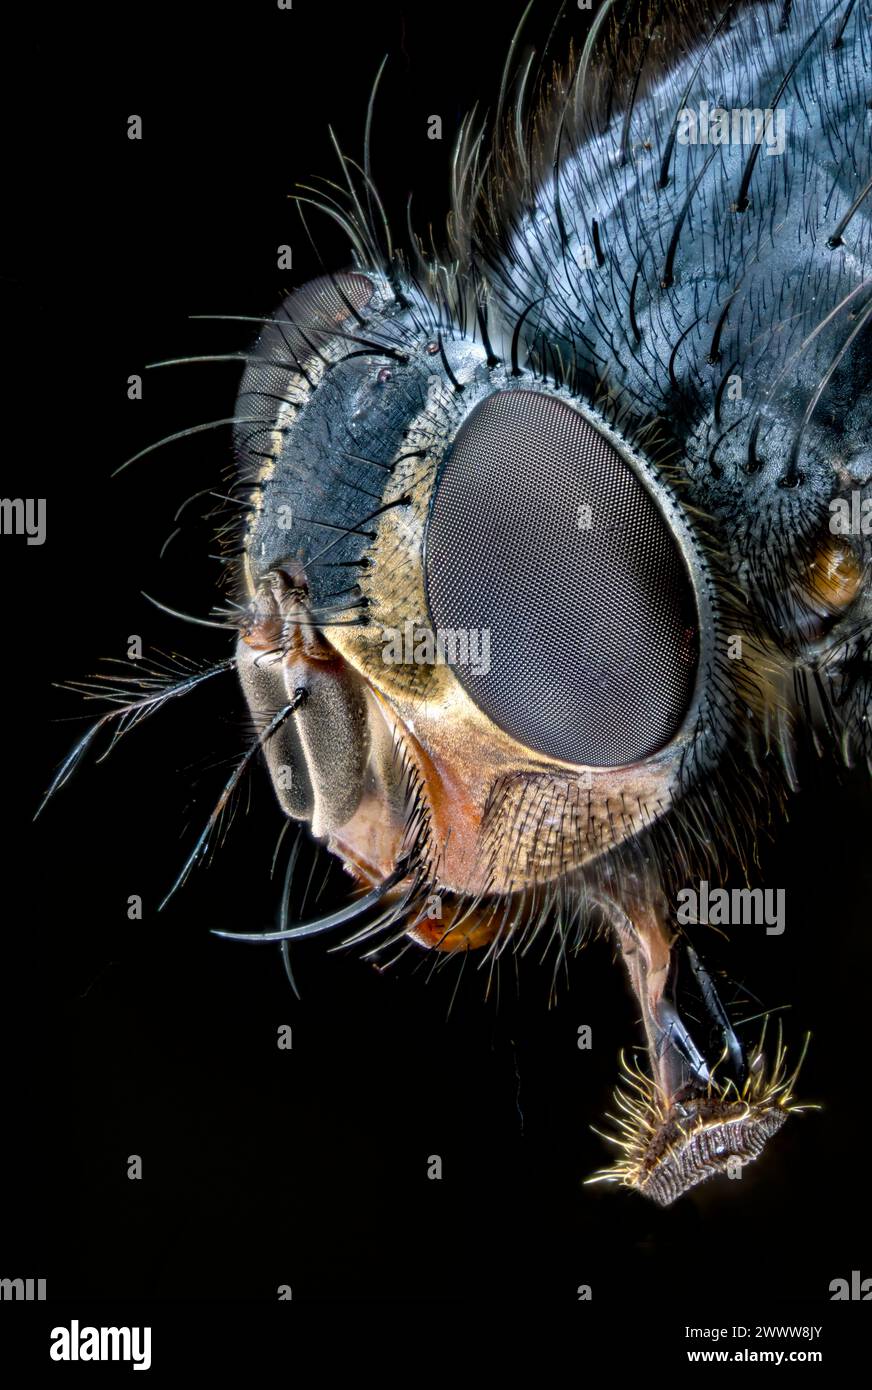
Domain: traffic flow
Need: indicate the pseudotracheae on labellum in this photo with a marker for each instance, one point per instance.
(556, 536)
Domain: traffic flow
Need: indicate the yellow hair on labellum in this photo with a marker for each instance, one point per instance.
(671, 1144)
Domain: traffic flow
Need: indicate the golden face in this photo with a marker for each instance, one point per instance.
(479, 782)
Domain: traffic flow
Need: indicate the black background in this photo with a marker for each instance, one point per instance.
(306, 1167)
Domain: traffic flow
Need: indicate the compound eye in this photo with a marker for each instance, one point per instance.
(541, 535)
(299, 329)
